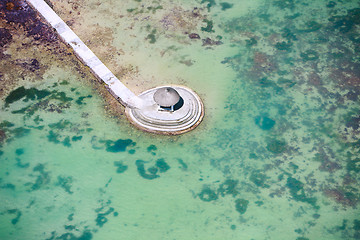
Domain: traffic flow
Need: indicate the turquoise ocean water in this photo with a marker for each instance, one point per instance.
(277, 155)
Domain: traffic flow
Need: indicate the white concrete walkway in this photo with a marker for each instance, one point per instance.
(114, 85)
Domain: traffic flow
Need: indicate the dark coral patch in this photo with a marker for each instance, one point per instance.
(86, 235)
(331, 4)
(259, 179)
(183, 165)
(309, 55)
(226, 5)
(152, 148)
(354, 123)
(101, 217)
(65, 182)
(53, 137)
(329, 166)
(62, 124)
(119, 145)
(311, 26)
(69, 227)
(20, 164)
(264, 122)
(241, 205)
(140, 164)
(356, 225)
(19, 151)
(120, 167)
(76, 138)
(80, 100)
(18, 214)
(20, 132)
(251, 42)
(71, 217)
(284, 45)
(353, 165)
(210, 3)
(8, 185)
(229, 187)
(66, 142)
(297, 191)
(209, 26)
(342, 196)
(162, 165)
(347, 22)
(276, 146)
(42, 179)
(207, 194)
(283, 4)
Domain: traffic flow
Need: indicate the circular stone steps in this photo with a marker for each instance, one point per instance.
(151, 119)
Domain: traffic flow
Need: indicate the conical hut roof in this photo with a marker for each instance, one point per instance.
(166, 97)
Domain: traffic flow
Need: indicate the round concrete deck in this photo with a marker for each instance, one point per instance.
(151, 119)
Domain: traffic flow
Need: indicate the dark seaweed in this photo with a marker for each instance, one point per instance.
(28, 94)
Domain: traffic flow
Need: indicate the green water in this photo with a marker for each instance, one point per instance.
(276, 157)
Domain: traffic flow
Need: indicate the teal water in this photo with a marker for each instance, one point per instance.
(276, 157)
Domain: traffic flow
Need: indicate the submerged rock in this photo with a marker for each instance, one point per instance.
(210, 42)
(194, 36)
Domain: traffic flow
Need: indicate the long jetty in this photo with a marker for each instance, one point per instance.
(123, 94)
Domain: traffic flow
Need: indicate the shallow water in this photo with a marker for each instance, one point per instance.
(276, 157)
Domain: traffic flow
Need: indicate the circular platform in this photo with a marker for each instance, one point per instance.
(185, 116)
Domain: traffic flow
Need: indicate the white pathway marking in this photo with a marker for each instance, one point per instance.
(114, 85)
